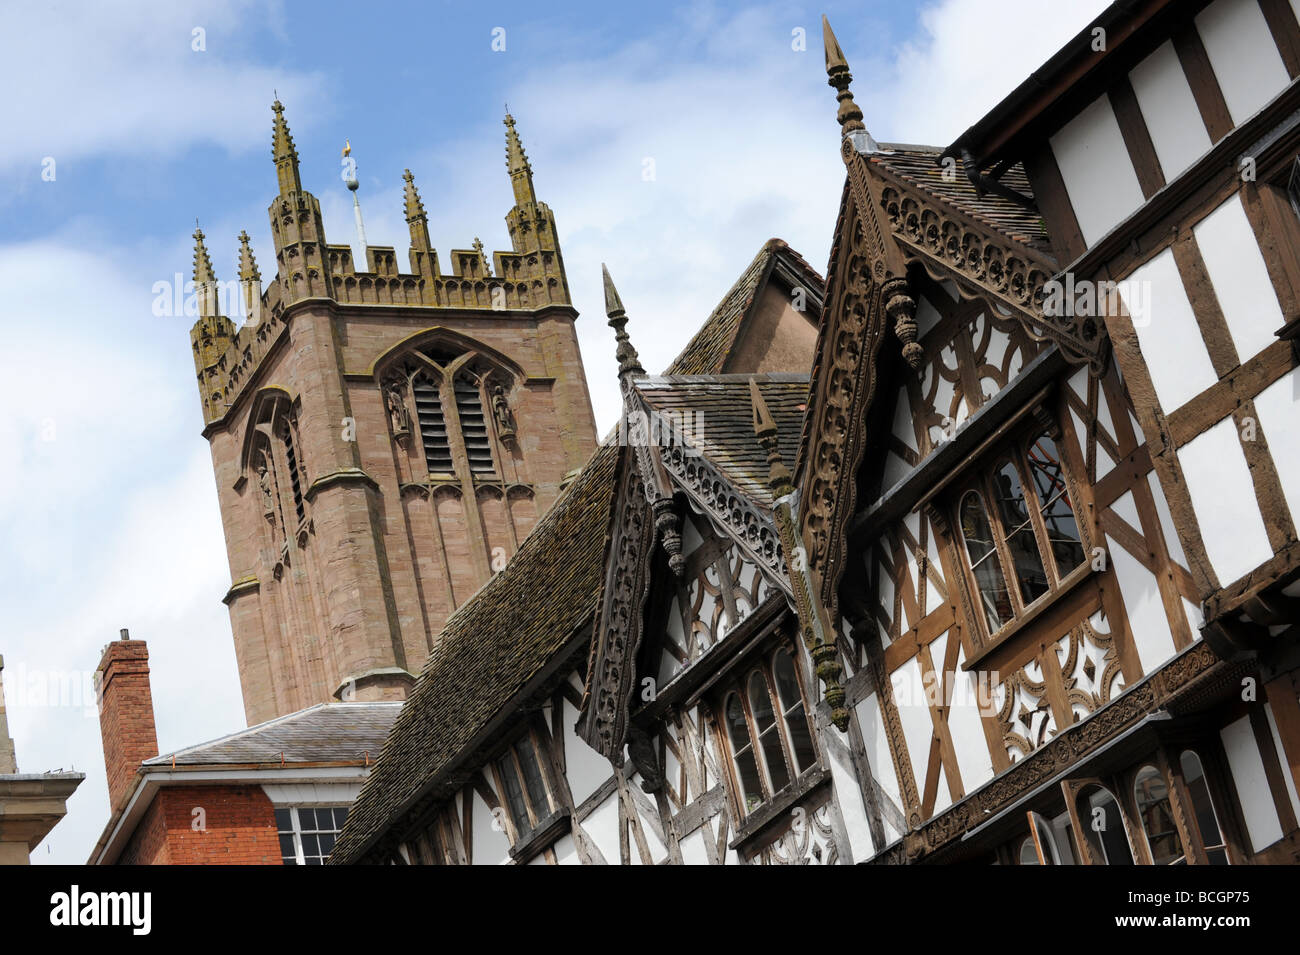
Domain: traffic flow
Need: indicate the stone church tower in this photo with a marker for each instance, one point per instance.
(382, 440)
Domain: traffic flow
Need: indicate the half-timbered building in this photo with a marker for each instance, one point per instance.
(1001, 567)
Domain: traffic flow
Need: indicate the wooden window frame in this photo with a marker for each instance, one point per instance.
(536, 816)
(980, 476)
(738, 684)
(1121, 786)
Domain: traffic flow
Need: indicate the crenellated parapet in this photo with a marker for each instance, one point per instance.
(307, 267)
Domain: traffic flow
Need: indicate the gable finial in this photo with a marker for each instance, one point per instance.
(629, 363)
(284, 153)
(839, 77)
(778, 475)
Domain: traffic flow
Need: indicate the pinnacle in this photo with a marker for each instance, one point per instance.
(202, 262)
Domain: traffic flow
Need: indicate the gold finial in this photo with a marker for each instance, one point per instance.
(347, 148)
(629, 362)
(839, 77)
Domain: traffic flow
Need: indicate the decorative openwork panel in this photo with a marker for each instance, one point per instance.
(1023, 711)
(971, 352)
(808, 839)
(720, 588)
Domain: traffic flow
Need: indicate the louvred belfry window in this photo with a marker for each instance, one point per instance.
(432, 423)
(473, 426)
(442, 397)
(295, 482)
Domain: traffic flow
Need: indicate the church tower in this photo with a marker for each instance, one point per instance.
(382, 440)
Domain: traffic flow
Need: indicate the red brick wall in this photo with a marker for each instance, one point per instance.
(125, 715)
(239, 828)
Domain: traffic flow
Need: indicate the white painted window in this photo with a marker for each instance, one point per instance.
(307, 835)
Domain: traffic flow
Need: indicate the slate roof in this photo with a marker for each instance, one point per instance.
(919, 165)
(504, 635)
(325, 733)
(718, 420)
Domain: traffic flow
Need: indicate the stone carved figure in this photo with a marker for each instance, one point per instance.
(264, 482)
(398, 416)
(501, 410)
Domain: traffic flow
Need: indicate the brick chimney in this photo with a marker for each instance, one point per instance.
(125, 714)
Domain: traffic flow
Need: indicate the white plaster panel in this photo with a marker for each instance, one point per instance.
(692, 847)
(1169, 110)
(566, 853)
(602, 827)
(1248, 776)
(1172, 542)
(1145, 609)
(1278, 407)
(1242, 54)
(1125, 507)
(876, 742)
(1218, 480)
(903, 429)
(1099, 176)
(848, 791)
(1240, 278)
(1171, 341)
(585, 769)
(914, 714)
(491, 844)
(974, 761)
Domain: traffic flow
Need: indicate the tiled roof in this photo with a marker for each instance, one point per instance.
(706, 353)
(505, 635)
(718, 420)
(325, 733)
(919, 165)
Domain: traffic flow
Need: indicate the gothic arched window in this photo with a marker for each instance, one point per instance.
(460, 408)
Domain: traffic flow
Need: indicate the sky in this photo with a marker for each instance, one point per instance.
(670, 140)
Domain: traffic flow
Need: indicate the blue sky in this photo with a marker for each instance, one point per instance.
(107, 505)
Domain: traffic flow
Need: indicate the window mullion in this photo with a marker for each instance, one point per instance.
(1010, 570)
(1035, 508)
(755, 743)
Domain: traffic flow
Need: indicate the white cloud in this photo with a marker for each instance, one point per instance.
(91, 79)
